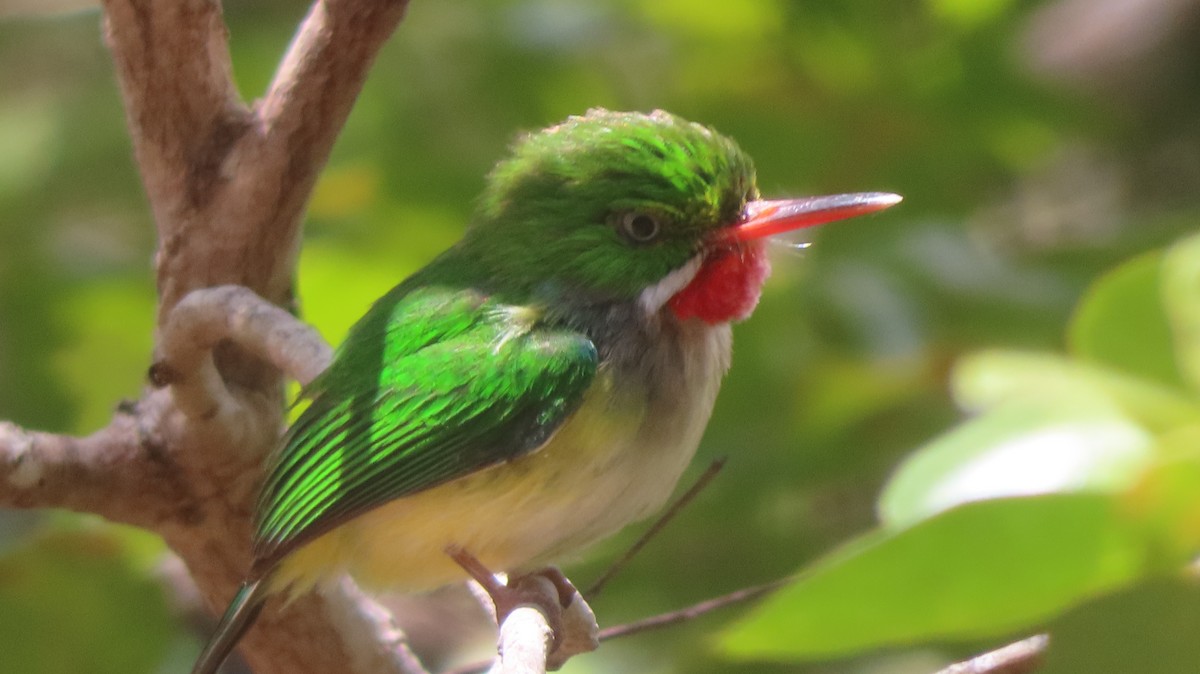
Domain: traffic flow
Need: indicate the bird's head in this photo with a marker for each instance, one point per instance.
(638, 207)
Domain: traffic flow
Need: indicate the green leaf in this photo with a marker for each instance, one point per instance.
(1022, 448)
(981, 570)
(1181, 297)
(1166, 500)
(989, 378)
(1122, 322)
(1148, 629)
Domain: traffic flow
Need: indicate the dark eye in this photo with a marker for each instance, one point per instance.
(640, 227)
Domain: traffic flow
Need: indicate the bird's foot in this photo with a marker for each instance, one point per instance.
(570, 619)
(575, 628)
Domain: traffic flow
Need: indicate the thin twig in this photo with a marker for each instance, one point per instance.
(1022, 657)
(687, 497)
(693, 611)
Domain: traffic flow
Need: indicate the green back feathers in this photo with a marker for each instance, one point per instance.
(551, 211)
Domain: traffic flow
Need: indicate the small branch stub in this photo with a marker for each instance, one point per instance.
(207, 317)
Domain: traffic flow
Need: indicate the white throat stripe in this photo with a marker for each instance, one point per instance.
(654, 297)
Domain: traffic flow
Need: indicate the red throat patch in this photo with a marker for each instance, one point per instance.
(727, 286)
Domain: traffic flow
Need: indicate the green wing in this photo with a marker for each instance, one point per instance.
(430, 386)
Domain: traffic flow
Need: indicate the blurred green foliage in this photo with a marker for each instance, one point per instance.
(1075, 479)
(74, 597)
(1028, 178)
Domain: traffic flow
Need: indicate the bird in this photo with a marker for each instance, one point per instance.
(540, 384)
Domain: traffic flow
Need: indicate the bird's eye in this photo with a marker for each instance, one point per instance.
(640, 227)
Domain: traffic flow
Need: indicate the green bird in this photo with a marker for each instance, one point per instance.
(540, 384)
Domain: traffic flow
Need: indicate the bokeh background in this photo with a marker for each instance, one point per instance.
(1037, 145)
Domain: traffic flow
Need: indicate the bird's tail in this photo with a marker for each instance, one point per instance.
(238, 618)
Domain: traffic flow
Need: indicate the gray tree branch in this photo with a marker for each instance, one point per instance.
(110, 473)
(309, 99)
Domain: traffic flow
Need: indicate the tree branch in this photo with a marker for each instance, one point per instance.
(41, 470)
(526, 639)
(112, 473)
(227, 186)
(172, 61)
(310, 97)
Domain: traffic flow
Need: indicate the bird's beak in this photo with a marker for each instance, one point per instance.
(767, 218)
